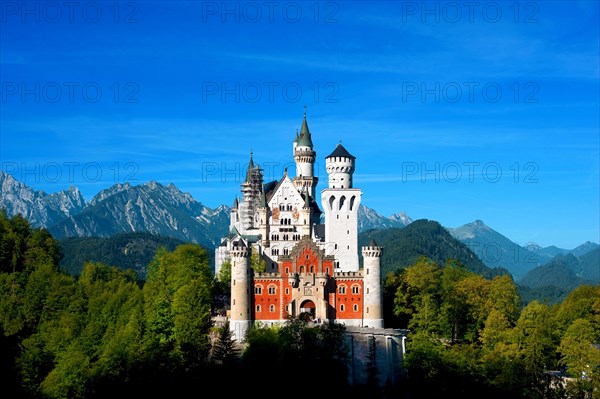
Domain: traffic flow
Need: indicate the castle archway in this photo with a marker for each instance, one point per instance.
(309, 308)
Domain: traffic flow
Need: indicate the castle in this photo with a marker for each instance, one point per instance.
(310, 257)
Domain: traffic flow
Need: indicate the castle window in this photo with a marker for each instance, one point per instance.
(287, 270)
(286, 251)
(258, 290)
(352, 202)
(335, 246)
(342, 289)
(272, 290)
(347, 216)
(342, 308)
(355, 289)
(342, 201)
(367, 291)
(312, 269)
(272, 308)
(257, 308)
(287, 291)
(355, 307)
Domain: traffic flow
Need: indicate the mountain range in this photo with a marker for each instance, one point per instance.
(496, 250)
(164, 210)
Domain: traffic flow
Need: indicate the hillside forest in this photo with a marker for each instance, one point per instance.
(109, 331)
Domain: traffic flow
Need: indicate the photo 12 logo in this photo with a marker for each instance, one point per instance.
(270, 92)
(71, 172)
(470, 11)
(470, 92)
(269, 12)
(70, 92)
(453, 172)
(225, 172)
(52, 12)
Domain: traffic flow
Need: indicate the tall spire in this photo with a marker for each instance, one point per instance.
(305, 140)
(250, 168)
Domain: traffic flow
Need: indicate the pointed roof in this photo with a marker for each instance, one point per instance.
(297, 137)
(341, 152)
(304, 139)
(236, 203)
(250, 168)
(372, 243)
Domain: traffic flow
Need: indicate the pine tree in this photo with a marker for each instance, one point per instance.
(224, 350)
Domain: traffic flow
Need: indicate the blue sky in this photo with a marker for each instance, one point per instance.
(455, 111)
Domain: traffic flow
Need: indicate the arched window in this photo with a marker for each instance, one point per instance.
(356, 289)
(331, 200)
(355, 307)
(257, 308)
(272, 290)
(342, 289)
(342, 202)
(258, 290)
(342, 307)
(272, 308)
(352, 202)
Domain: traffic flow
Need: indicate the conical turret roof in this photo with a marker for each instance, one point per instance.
(304, 139)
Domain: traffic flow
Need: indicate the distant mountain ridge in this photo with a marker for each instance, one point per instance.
(403, 247)
(566, 271)
(39, 208)
(132, 251)
(496, 250)
(148, 207)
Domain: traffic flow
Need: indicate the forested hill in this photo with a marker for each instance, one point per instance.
(127, 251)
(403, 246)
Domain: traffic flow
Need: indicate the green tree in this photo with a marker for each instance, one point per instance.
(418, 295)
(582, 358)
(224, 350)
(178, 297)
(257, 262)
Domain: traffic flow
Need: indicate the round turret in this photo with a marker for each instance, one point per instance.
(340, 167)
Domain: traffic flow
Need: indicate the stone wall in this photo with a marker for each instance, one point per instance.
(376, 351)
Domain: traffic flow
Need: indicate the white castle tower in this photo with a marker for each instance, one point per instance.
(240, 320)
(373, 305)
(340, 202)
(304, 155)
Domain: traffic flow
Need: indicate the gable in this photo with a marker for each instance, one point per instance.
(286, 194)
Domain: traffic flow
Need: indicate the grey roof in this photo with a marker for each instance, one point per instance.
(249, 171)
(372, 243)
(341, 152)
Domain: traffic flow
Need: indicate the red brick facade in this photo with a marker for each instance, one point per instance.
(306, 282)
